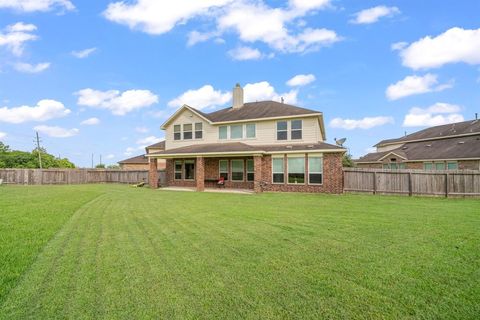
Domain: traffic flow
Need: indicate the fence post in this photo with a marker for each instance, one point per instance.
(374, 182)
(410, 188)
(446, 185)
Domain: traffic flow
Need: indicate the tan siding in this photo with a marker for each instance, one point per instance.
(266, 132)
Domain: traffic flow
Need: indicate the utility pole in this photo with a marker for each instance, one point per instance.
(92, 160)
(100, 159)
(39, 151)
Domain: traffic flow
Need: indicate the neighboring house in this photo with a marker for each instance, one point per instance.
(447, 147)
(263, 145)
(141, 162)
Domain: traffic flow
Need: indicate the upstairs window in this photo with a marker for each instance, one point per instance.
(222, 132)
(250, 129)
(198, 130)
(250, 170)
(236, 132)
(296, 170)
(315, 169)
(177, 132)
(187, 131)
(282, 130)
(296, 129)
(223, 169)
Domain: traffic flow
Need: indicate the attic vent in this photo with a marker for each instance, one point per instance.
(289, 147)
(404, 148)
(428, 145)
(461, 142)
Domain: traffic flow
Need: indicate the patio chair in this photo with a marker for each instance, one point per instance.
(221, 182)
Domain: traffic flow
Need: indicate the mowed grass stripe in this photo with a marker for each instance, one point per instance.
(139, 253)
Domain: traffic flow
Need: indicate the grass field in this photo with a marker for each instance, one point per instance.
(109, 251)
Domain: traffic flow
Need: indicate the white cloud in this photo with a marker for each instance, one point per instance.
(56, 132)
(29, 68)
(301, 80)
(372, 15)
(90, 122)
(398, 46)
(36, 5)
(204, 97)
(147, 141)
(119, 103)
(453, 46)
(81, 54)
(16, 35)
(412, 85)
(110, 156)
(435, 115)
(141, 129)
(263, 90)
(251, 20)
(129, 151)
(2, 135)
(245, 53)
(43, 111)
(365, 123)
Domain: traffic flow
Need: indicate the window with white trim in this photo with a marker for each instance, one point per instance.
(439, 165)
(250, 130)
(223, 169)
(198, 130)
(452, 165)
(428, 166)
(296, 170)
(187, 131)
(282, 130)
(178, 170)
(278, 172)
(236, 132)
(177, 132)
(296, 129)
(250, 170)
(189, 169)
(222, 132)
(315, 169)
(237, 170)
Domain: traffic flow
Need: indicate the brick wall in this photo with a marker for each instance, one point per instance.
(153, 174)
(332, 176)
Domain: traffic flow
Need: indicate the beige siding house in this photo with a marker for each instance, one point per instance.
(264, 145)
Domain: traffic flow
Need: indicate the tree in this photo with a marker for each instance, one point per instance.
(113, 166)
(4, 148)
(100, 166)
(347, 160)
(29, 160)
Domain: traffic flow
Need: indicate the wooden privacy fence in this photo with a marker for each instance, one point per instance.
(74, 176)
(412, 182)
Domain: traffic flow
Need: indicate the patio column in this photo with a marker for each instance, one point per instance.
(257, 164)
(153, 174)
(200, 173)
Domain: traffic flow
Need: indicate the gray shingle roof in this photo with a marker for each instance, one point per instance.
(242, 147)
(257, 110)
(135, 160)
(450, 148)
(453, 129)
(158, 145)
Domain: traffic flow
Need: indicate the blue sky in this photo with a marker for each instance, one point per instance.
(374, 68)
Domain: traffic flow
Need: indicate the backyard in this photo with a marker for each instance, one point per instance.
(113, 251)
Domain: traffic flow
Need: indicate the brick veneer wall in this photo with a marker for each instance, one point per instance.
(153, 175)
(332, 176)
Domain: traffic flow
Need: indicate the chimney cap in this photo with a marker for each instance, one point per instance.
(238, 85)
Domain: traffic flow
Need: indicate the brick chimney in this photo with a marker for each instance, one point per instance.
(237, 97)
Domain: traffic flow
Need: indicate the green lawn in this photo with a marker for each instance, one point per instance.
(109, 251)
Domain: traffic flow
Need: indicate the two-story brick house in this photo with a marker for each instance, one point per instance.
(263, 146)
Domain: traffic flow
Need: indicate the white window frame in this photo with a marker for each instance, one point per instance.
(185, 172)
(246, 169)
(456, 163)
(195, 130)
(220, 171)
(283, 167)
(175, 170)
(254, 130)
(276, 129)
(304, 170)
(301, 130)
(180, 132)
(315, 172)
(243, 170)
(226, 133)
(241, 130)
(191, 131)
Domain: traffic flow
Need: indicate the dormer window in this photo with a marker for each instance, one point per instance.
(187, 131)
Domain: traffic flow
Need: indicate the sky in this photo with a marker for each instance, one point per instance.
(100, 77)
